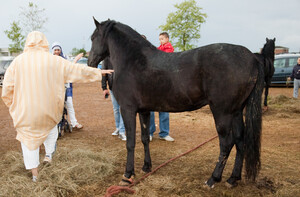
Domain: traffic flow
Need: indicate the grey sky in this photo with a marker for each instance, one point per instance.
(243, 22)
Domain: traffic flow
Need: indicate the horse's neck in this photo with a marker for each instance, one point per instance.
(129, 50)
(269, 55)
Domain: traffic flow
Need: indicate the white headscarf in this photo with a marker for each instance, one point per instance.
(57, 45)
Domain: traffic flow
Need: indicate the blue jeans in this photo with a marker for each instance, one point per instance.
(163, 124)
(296, 87)
(118, 118)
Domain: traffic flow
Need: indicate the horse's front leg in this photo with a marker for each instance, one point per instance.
(145, 124)
(266, 94)
(129, 118)
(265, 108)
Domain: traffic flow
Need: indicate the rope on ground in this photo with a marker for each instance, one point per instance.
(114, 189)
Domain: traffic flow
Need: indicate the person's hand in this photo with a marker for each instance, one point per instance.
(107, 72)
(80, 55)
(106, 93)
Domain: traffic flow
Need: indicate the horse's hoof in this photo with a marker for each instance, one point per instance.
(126, 181)
(123, 183)
(207, 186)
(228, 185)
(232, 182)
(265, 109)
(146, 170)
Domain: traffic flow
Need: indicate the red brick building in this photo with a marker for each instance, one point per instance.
(280, 50)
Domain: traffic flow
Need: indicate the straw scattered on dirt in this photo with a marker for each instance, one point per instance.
(69, 170)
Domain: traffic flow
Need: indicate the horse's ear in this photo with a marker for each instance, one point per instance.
(96, 22)
(267, 39)
(274, 39)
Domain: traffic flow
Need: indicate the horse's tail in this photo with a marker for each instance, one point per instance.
(253, 124)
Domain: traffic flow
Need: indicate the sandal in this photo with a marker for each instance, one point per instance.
(47, 160)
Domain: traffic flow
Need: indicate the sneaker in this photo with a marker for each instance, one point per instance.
(167, 138)
(151, 138)
(116, 132)
(78, 126)
(122, 137)
(34, 179)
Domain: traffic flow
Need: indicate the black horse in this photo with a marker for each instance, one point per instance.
(226, 77)
(267, 58)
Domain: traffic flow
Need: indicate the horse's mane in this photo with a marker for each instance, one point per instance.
(107, 26)
(128, 34)
(128, 37)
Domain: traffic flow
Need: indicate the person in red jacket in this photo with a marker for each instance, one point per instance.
(164, 127)
(165, 45)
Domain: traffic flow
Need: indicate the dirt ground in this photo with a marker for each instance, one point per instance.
(279, 176)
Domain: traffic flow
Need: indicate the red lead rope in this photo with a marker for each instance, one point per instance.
(114, 189)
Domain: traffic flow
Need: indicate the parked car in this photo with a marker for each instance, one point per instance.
(82, 60)
(4, 63)
(284, 64)
(85, 60)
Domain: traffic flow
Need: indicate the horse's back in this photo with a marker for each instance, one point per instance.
(229, 73)
(217, 73)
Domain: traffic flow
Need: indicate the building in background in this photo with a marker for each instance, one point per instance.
(281, 50)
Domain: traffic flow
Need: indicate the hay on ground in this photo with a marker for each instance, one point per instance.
(284, 104)
(69, 170)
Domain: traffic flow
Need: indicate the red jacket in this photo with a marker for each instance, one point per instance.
(166, 48)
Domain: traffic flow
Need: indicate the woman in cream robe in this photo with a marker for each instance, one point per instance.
(33, 89)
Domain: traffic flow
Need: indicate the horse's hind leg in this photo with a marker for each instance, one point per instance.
(145, 124)
(224, 126)
(238, 132)
(129, 118)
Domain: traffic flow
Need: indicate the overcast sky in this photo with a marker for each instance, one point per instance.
(243, 22)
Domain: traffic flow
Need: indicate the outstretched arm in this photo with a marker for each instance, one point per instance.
(81, 73)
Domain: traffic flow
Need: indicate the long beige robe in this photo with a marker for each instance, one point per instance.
(34, 91)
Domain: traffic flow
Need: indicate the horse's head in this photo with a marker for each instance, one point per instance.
(99, 48)
(268, 49)
(270, 42)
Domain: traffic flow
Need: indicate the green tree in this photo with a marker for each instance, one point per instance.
(32, 18)
(76, 51)
(15, 35)
(184, 24)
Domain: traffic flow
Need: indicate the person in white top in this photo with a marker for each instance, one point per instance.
(57, 50)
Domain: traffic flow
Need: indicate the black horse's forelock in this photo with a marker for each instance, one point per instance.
(129, 37)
